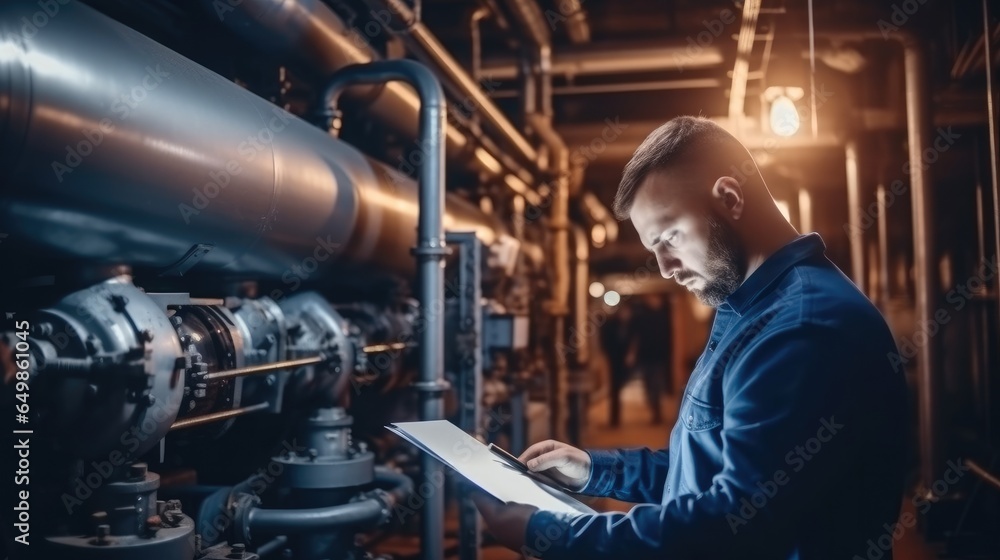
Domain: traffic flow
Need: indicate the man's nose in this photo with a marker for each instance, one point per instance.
(669, 264)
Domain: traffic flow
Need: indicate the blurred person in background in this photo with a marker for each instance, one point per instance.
(651, 345)
(615, 339)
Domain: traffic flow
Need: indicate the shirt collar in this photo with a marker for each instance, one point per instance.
(799, 249)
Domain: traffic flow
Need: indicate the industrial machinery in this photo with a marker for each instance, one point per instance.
(214, 299)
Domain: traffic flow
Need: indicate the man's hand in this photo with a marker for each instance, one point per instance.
(506, 522)
(564, 463)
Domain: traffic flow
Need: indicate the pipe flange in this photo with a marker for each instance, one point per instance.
(441, 251)
(383, 498)
(323, 473)
(241, 506)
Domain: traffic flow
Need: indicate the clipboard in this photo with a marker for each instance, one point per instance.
(468, 457)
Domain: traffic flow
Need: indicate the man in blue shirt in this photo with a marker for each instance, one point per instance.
(791, 430)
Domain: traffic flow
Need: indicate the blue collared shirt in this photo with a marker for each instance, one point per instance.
(790, 440)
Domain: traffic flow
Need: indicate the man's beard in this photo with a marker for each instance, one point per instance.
(726, 264)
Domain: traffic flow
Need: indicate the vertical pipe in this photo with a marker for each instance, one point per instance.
(469, 369)
(854, 213)
(994, 163)
(430, 253)
(918, 124)
(559, 224)
(578, 339)
(982, 362)
(883, 246)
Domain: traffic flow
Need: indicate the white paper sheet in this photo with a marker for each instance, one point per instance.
(473, 460)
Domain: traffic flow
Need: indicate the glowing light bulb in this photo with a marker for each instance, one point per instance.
(784, 116)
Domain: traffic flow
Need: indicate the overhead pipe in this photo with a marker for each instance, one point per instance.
(617, 57)
(312, 33)
(430, 253)
(400, 20)
(623, 87)
(180, 186)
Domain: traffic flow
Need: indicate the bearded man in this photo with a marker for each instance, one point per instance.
(790, 437)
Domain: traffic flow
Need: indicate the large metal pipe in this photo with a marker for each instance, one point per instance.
(311, 33)
(608, 58)
(398, 18)
(918, 125)
(118, 150)
(369, 511)
(430, 253)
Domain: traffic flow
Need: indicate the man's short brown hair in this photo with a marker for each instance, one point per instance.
(672, 144)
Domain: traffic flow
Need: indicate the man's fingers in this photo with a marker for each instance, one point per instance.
(539, 449)
(550, 460)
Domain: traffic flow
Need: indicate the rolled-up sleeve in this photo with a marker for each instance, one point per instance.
(782, 390)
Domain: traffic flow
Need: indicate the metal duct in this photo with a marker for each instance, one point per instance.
(311, 32)
(118, 150)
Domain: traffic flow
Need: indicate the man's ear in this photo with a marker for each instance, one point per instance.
(728, 194)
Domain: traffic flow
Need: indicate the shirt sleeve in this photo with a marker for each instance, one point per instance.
(630, 475)
(786, 388)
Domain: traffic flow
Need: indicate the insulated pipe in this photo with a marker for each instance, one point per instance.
(430, 253)
(398, 18)
(310, 32)
(117, 150)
